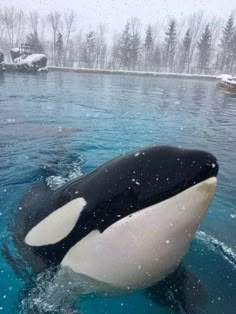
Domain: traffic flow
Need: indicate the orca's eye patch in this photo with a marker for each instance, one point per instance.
(57, 225)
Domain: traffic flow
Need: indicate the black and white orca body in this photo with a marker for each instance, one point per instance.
(126, 224)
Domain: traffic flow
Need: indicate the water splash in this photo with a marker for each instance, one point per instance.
(217, 246)
(58, 291)
(56, 181)
(42, 296)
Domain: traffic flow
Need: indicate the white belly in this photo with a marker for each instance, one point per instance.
(143, 248)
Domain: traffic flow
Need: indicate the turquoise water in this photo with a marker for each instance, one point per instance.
(60, 125)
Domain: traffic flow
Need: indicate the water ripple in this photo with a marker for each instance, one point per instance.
(217, 246)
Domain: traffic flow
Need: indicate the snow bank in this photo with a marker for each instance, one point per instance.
(224, 77)
(30, 60)
(15, 50)
(45, 69)
(133, 73)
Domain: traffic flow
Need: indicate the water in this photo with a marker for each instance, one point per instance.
(60, 125)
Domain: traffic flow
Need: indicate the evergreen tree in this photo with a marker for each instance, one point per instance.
(226, 45)
(149, 47)
(33, 41)
(125, 47)
(134, 50)
(89, 52)
(204, 50)
(232, 67)
(157, 59)
(115, 54)
(59, 49)
(170, 46)
(186, 50)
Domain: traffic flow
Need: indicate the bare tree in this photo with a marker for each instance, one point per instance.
(34, 19)
(54, 20)
(78, 47)
(115, 61)
(196, 25)
(101, 46)
(14, 22)
(69, 20)
(2, 29)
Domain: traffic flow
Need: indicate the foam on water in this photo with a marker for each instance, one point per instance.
(217, 246)
(56, 181)
(58, 291)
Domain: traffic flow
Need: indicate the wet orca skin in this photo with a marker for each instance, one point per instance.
(76, 225)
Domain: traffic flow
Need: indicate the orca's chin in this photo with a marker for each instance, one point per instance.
(209, 185)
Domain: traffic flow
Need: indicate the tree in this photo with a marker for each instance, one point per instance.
(34, 42)
(226, 45)
(14, 22)
(78, 47)
(101, 47)
(59, 50)
(148, 48)
(156, 62)
(54, 20)
(170, 45)
(115, 61)
(185, 55)
(196, 24)
(34, 21)
(134, 43)
(89, 50)
(204, 50)
(69, 18)
(125, 45)
(232, 67)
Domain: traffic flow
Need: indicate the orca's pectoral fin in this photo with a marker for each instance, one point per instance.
(182, 291)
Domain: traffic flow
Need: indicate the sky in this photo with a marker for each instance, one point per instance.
(116, 12)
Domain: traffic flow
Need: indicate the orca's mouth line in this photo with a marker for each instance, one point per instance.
(174, 191)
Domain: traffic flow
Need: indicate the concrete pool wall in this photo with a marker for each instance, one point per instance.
(11, 68)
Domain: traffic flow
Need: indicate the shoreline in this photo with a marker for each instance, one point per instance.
(10, 68)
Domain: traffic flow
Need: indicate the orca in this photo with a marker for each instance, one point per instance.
(127, 224)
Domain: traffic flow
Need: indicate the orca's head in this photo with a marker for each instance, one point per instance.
(155, 203)
(161, 172)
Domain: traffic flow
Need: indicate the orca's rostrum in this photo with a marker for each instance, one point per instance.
(126, 224)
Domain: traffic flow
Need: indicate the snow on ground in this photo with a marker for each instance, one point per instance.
(224, 77)
(30, 60)
(43, 69)
(15, 49)
(135, 73)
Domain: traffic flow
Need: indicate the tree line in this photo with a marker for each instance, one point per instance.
(196, 44)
